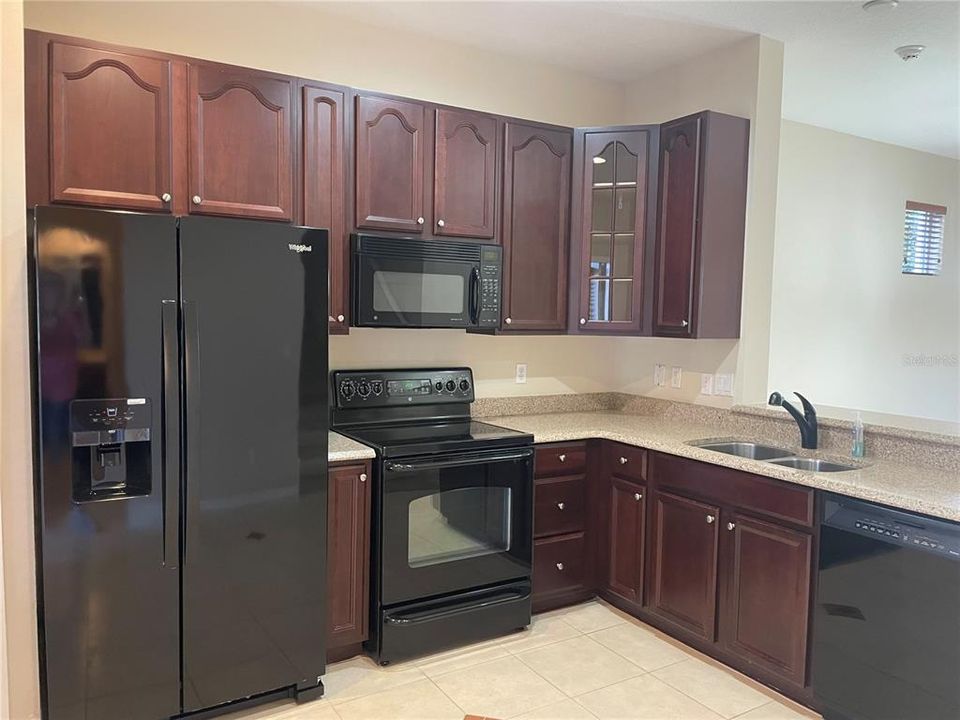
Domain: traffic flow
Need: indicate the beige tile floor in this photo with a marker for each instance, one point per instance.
(581, 663)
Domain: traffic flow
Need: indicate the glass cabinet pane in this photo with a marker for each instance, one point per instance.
(626, 162)
(602, 218)
(600, 255)
(603, 166)
(625, 209)
(599, 296)
(623, 256)
(622, 302)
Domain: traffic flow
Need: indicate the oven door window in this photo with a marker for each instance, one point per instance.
(458, 524)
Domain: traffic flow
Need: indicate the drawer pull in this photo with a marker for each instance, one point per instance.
(623, 461)
(561, 457)
(560, 505)
(710, 519)
(637, 496)
(560, 566)
(731, 526)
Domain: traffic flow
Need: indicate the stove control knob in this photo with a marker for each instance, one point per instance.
(438, 385)
(450, 386)
(377, 387)
(363, 389)
(464, 385)
(347, 389)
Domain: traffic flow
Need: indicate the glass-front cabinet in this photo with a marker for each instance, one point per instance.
(612, 229)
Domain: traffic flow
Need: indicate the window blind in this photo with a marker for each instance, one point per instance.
(923, 238)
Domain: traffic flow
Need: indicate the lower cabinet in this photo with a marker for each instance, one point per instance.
(348, 557)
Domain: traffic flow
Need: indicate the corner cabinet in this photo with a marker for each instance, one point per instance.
(614, 211)
(700, 230)
(536, 203)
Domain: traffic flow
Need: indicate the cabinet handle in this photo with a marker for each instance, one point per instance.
(731, 526)
(363, 477)
(623, 461)
(637, 496)
(419, 221)
(339, 318)
(440, 223)
(166, 197)
(583, 321)
(560, 505)
(561, 457)
(710, 519)
(196, 199)
(507, 320)
(684, 323)
(560, 566)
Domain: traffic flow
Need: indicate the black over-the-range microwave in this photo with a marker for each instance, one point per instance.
(400, 282)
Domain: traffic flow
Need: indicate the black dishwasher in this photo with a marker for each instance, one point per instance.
(886, 634)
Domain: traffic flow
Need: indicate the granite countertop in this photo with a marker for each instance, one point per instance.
(343, 449)
(913, 487)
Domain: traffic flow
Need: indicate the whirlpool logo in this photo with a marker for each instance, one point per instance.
(300, 248)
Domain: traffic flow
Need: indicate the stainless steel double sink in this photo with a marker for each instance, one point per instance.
(773, 455)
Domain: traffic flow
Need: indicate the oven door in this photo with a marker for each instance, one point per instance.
(391, 291)
(451, 523)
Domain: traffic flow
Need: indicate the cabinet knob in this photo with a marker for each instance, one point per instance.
(583, 321)
(196, 199)
(339, 318)
(637, 496)
(363, 477)
(684, 323)
(560, 566)
(710, 519)
(623, 461)
(561, 457)
(166, 197)
(507, 320)
(731, 526)
(419, 221)
(440, 223)
(560, 505)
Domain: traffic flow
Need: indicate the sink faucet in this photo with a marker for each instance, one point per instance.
(806, 422)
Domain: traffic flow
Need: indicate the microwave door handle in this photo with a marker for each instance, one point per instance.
(474, 295)
(439, 464)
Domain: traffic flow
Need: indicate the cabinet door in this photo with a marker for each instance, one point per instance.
(241, 142)
(110, 129)
(324, 184)
(612, 230)
(766, 616)
(683, 579)
(348, 553)
(677, 230)
(389, 168)
(536, 202)
(465, 174)
(625, 571)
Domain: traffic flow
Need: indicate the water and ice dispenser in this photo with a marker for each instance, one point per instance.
(111, 441)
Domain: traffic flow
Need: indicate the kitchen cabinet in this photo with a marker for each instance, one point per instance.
(390, 172)
(325, 132)
(626, 541)
(700, 231)
(465, 174)
(536, 203)
(348, 556)
(242, 149)
(614, 212)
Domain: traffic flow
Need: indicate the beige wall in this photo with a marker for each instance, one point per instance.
(838, 281)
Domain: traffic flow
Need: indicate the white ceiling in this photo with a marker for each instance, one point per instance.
(840, 70)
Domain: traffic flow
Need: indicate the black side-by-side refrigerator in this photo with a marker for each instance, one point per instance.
(180, 387)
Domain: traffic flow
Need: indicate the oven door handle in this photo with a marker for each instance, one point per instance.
(461, 462)
(425, 616)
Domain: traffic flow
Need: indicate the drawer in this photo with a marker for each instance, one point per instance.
(560, 459)
(559, 563)
(559, 505)
(625, 460)
(734, 488)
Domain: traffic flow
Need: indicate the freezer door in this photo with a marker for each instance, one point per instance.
(254, 298)
(106, 402)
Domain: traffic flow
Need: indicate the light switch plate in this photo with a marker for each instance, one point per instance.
(723, 384)
(676, 375)
(706, 384)
(659, 375)
(521, 373)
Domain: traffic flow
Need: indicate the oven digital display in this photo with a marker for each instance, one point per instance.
(408, 387)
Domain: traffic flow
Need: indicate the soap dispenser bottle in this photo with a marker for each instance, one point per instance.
(857, 450)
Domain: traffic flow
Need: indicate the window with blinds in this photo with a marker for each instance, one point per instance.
(923, 238)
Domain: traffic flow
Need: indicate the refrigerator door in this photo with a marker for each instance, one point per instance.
(254, 298)
(106, 404)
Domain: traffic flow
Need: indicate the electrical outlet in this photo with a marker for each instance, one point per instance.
(676, 375)
(659, 375)
(706, 384)
(521, 373)
(723, 384)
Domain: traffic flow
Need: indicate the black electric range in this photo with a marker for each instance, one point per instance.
(453, 510)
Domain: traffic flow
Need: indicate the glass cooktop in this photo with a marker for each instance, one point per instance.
(404, 439)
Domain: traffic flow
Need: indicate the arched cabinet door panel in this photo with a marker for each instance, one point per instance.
(110, 128)
(241, 146)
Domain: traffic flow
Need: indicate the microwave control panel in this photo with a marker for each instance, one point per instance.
(491, 262)
(385, 388)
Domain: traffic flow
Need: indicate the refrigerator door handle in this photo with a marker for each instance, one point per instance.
(171, 433)
(191, 488)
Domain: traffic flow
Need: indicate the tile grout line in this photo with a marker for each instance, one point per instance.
(443, 692)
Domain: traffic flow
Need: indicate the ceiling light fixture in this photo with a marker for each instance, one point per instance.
(880, 5)
(910, 52)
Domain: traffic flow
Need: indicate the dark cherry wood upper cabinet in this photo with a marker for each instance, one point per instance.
(324, 185)
(683, 558)
(465, 174)
(614, 221)
(626, 535)
(702, 212)
(536, 204)
(390, 177)
(766, 608)
(348, 553)
(242, 142)
(110, 128)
